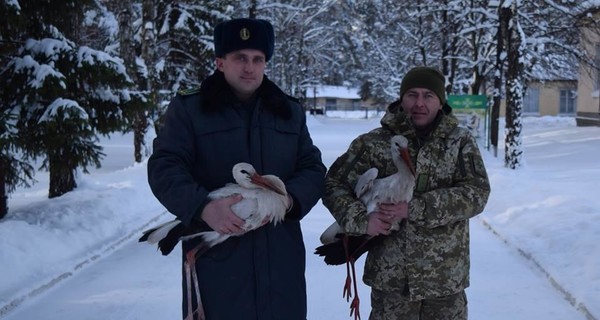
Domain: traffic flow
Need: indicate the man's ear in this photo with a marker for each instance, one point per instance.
(220, 64)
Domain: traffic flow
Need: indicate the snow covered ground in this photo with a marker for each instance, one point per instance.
(535, 251)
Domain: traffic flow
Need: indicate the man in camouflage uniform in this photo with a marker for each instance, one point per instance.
(420, 271)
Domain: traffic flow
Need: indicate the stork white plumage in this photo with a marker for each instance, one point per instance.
(339, 247)
(264, 199)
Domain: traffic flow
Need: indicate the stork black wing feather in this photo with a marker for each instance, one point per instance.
(334, 253)
(146, 234)
(168, 243)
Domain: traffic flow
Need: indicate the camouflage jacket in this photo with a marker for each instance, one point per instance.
(429, 256)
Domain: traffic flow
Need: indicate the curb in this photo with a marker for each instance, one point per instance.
(15, 302)
(579, 306)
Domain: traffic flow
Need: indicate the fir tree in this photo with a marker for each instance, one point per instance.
(14, 171)
(64, 94)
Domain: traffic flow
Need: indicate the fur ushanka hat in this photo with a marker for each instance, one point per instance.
(244, 33)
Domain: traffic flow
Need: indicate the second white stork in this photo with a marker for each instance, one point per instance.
(264, 199)
(338, 246)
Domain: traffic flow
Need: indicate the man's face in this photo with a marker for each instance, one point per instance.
(421, 105)
(244, 70)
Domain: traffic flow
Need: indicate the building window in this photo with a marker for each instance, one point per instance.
(330, 104)
(531, 101)
(567, 101)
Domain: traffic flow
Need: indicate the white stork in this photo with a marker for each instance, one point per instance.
(338, 246)
(264, 199)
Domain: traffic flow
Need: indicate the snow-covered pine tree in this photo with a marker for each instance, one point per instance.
(14, 171)
(185, 40)
(305, 44)
(131, 38)
(64, 94)
(385, 43)
(184, 45)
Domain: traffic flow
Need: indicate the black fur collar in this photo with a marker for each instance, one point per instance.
(216, 92)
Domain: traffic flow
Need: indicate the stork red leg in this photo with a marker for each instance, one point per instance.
(355, 305)
(200, 309)
(188, 282)
(192, 275)
(347, 286)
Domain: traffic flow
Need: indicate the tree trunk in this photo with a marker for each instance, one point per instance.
(127, 46)
(445, 48)
(62, 176)
(148, 84)
(475, 44)
(503, 21)
(252, 9)
(514, 94)
(139, 133)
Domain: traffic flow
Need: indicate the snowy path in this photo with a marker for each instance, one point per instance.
(136, 282)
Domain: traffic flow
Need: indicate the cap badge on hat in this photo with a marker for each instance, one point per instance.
(245, 34)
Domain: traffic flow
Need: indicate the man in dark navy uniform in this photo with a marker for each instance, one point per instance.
(238, 115)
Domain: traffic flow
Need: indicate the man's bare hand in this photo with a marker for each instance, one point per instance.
(387, 214)
(397, 211)
(218, 215)
(289, 203)
(379, 223)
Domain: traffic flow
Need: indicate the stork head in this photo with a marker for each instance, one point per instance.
(399, 145)
(246, 176)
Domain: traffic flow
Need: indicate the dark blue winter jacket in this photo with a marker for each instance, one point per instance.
(259, 275)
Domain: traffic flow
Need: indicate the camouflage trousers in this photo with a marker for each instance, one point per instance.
(393, 305)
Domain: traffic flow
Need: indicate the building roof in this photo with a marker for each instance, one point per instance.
(339, 92)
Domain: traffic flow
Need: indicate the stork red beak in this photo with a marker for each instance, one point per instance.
(266, 183)
(406, 157)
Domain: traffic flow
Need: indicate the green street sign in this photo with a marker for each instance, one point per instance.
(466, 101)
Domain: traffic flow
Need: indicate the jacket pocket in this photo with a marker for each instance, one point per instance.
(280, 147)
